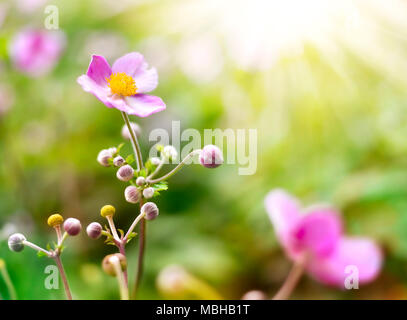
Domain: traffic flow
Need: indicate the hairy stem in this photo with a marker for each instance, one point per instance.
(134, 142)
(36, 248)
(176, 169)
(9, 283)
(291, 281)
(160, 165)
(133, 225)
(63, 276)
(113, 228)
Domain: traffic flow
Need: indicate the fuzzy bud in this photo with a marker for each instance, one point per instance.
(107, 210)
(103, 157)
(108, 266)
(72, 226)
(170, 152)
(125, 173)
(118, 161)
(125, 130)
(211, 156)
(148, 192)
(55, 220)
(141, 181)
(155, 161)
(15, 242)
(94, 230)
(150, 210)
(132, 194)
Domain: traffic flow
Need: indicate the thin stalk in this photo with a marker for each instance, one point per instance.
(141, 253)
(122, 250)
(9, 283)
(124, 291)
(59, 233)
(153, 174)
(113, 228)
(63, 276)
(176, 169)
(134, 142)
(291, 281)
(133, 225)
(36, 248)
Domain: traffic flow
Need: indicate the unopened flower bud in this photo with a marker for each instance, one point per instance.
(107, 210)
(155, 161)
(118, 161)
(94, 230)
(15, 242)
(254, 295)
(125, 130)
(148, 192)
(108, 266)
(72, 226)
(132, 194)
(125, 173)
(112, 151)
(141, 181)
(103, 157)
(55, 220)
(211, 156)
(170, 152)
(150, 210)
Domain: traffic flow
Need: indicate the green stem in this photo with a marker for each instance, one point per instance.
(9, 283)
(134, 142)
(176, 169)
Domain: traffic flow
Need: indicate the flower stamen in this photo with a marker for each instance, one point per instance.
(122, 84)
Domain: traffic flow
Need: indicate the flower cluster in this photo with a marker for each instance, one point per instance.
(71, 227)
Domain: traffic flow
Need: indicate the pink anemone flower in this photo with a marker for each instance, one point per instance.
(36, 52)
(123, 86)
(318, 233)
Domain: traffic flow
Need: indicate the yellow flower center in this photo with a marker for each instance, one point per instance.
(122, 84)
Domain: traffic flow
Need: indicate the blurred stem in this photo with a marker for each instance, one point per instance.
(141, 252)
(156, 170)
(9, 283)
(291, 281)
(202, 290)
(134, 142)
(124, 291)
(176, 169)
(63, 276)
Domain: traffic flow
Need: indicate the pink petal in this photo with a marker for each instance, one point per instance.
(146, 79)
(133, 64)
(100, 92)
(142, 105)
(129, 64)
(318, 232)
(284, 213)
(362, 253)
(99, 70)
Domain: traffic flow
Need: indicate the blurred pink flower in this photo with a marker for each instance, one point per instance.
(319, 234)
(36, 52)
(124, 85)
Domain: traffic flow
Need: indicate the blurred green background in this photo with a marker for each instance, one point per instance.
(323, 82)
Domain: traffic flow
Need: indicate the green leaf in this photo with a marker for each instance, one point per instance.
(48, 247)
(119, 147)
(130, 159)
(149, 166)
(159, 147)
(131, 236)
(121, 232)
(41, 254)
(160, 186)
